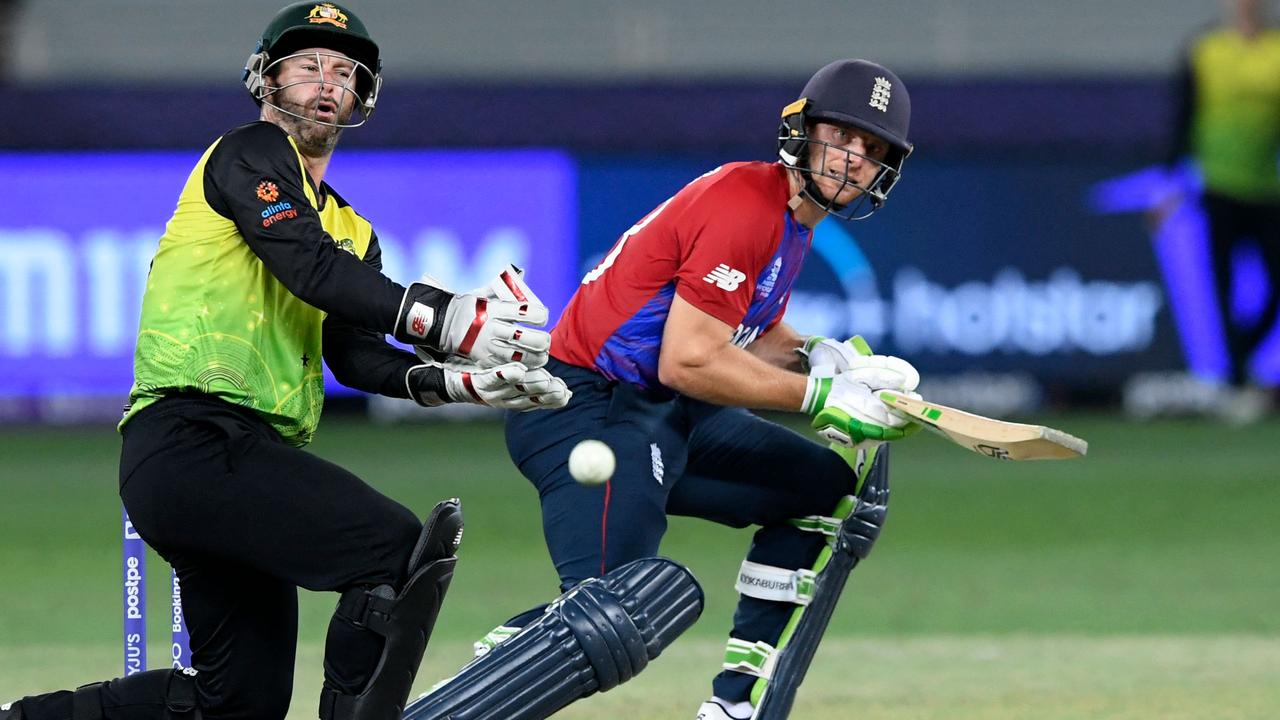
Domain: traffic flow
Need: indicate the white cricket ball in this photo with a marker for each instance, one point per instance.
(591, 462)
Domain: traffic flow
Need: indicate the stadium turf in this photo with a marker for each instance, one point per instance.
(1138, 583)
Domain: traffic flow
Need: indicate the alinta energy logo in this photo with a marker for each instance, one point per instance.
(267, 191)
(277, 213)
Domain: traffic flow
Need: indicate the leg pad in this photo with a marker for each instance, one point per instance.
(405, 621)
(591, 639)
(775, 691)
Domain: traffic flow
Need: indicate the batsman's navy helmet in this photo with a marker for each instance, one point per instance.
(317, 24)
(859, 93)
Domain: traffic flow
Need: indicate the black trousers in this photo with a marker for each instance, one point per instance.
(245, 520)
(1231, 222)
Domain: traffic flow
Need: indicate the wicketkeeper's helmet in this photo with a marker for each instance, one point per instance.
(850, 92)
(322, 25)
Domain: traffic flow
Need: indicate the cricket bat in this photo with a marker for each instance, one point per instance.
(987, 436)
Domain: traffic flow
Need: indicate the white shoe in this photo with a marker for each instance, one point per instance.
(715, 709)
(1244, 405)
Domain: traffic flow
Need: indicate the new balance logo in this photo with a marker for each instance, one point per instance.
(725, 277)
(880, 95)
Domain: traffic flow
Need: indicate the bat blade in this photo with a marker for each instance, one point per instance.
(997, 439)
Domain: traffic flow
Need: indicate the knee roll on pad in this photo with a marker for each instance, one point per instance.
(179, 695)
(591, 639)
(851, 533)
(405, 621)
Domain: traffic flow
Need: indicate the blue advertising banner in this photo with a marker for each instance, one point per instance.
(78, 232)
(999, 265)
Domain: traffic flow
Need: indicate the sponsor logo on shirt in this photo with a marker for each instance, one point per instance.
(725, 277)
(766, 285)
(268, 192)
(346, 244)
(278, 212)
(328, 14)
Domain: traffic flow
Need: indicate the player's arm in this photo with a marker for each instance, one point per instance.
(779, 347)
(285, 232)
(255, 179)
(361, 358)
(698, 359)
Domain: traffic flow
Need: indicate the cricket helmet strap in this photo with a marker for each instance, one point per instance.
(856, 93)
(323, 25)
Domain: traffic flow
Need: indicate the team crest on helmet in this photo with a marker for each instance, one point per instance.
(268, 192)
(327, 14)
(880, 94)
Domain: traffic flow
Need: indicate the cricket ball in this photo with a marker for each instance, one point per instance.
(591, 462)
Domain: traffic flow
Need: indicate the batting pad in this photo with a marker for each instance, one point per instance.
(781, 670)
(591, 639)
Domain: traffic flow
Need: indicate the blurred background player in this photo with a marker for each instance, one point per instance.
(262, 271)
(8, 37)
(1228, 122)
(679, 329)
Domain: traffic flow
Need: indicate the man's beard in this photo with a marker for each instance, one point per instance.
(312, 138)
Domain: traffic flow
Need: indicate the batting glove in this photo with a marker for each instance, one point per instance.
(825, 357)
(510, 387)
(842, 393)
(847, 412)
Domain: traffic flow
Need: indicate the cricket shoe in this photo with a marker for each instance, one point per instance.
(717, 709)
(11, 711)
(1245, 405)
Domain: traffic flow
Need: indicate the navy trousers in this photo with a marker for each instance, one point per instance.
(681, 457)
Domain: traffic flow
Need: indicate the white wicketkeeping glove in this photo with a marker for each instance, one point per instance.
(511, 386)
(481, 325)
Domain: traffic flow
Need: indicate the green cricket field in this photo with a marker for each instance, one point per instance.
(1141, 582)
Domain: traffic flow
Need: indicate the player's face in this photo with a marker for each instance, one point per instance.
(844, 160)
(317, 91)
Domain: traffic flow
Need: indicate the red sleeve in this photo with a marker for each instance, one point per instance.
(727, 234)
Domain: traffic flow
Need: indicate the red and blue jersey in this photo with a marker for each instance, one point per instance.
(726, 243)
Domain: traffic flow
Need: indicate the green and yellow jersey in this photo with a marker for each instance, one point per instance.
(258, 276)
(1230, 112)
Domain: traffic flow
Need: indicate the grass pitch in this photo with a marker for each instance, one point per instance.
(1138, 583)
